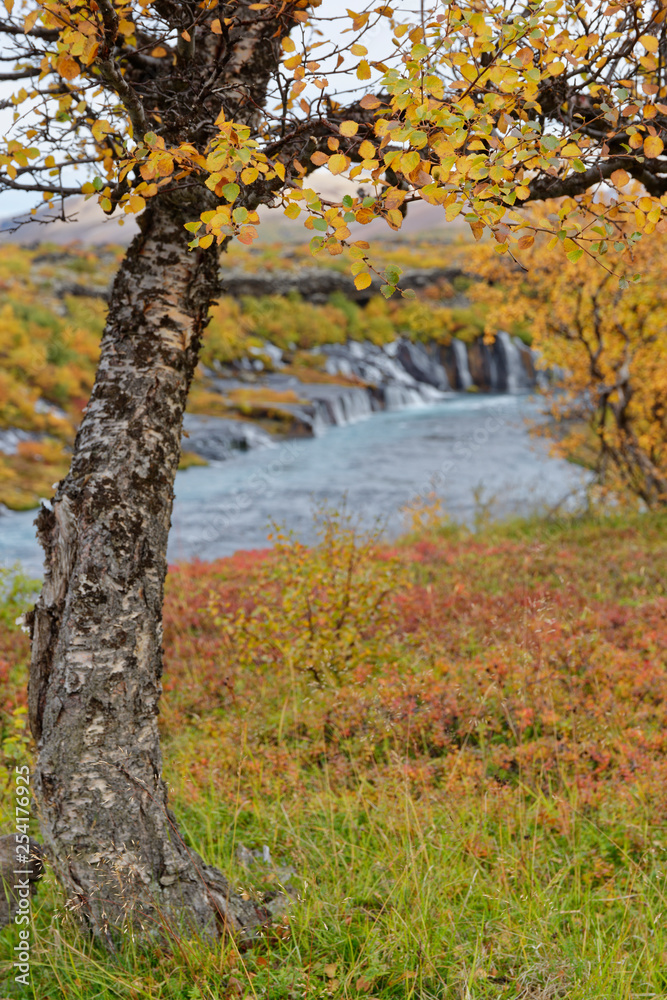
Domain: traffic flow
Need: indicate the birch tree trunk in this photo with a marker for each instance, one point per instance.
(97, 628)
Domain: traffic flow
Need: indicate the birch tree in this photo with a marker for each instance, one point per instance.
(193, 115)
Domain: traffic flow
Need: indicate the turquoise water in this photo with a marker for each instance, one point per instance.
(475, 452)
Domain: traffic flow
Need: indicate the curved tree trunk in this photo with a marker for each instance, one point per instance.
(97, 628)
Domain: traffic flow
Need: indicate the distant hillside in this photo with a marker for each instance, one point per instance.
(89, 226)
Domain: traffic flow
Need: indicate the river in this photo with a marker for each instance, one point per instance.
(475, 452)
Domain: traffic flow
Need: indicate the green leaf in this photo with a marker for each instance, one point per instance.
(574, 255)
(408, 293)
(348, 201)
(192, 227)
(392, 274)
(98, 183)
(150, 138)
(578, 165)
(231, 191)
(388, 290)
(320, 224)
(240, 214)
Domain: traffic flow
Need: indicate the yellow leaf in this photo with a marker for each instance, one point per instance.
(635, 140)
(394, 218)
(650, 43)
(571, 149)
(288, 45)
(522, 192)
(653, 146)
(362, 281)
(330, 970)
(292, 211)
(101, 128)
(9, 6)
(135, 203)
(367, 150)
(451, 211)
(364, 71)
(67, 67)
(29, 22)
(279, 169)
(206, 241)
(338, 163)
(249, 175)
(358, 50)
(348, 128)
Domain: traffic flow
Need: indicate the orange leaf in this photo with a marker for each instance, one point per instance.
(216, 28)
(319, 158)
(369, 101)
(477, 229)
(653, 146)
(620, 178)
(67, 67)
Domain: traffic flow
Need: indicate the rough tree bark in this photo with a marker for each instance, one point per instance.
(97, 656)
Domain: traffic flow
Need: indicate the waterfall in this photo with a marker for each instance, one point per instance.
(511, 369)
(491, 373)
(463, 376)
(399, 397)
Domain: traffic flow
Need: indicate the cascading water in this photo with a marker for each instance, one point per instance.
(463, 376)
(512, 374)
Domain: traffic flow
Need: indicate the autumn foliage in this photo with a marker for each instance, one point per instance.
(493, 754)
(605, 329)
(477, 109)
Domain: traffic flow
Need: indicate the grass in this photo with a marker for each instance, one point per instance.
(476, 810)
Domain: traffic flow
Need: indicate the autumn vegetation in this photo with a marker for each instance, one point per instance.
(464, 767)
(49, 344)
(470, 793)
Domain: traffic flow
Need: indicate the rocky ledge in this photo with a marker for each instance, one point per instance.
(396, 376)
